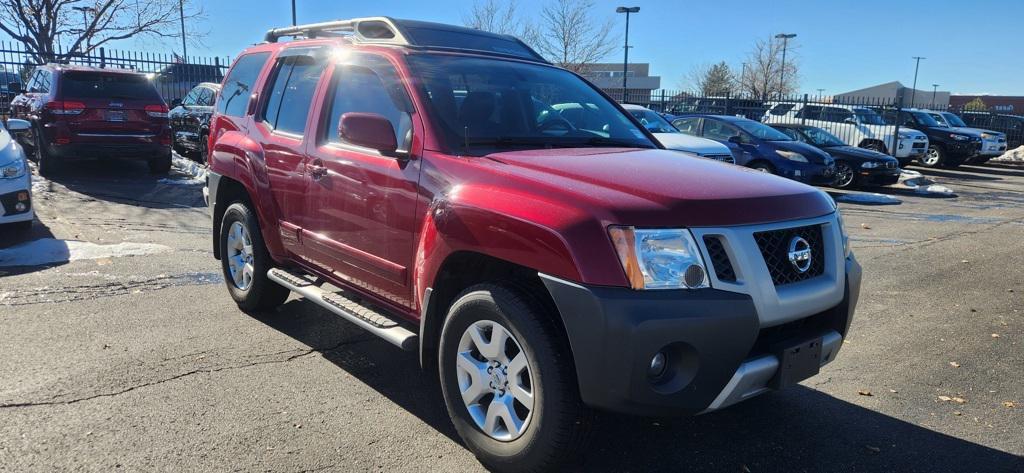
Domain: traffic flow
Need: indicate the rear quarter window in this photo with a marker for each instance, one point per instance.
(98, 85)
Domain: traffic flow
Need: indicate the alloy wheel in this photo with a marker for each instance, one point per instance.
(844, 175)
(932, 157)
(495, 380)
(240, 256)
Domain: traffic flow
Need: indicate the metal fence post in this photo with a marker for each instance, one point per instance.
(663, 109)
(728, 103)
(103, 58)
(896, 120)
(803, 115)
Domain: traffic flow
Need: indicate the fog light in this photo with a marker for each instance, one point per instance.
(694, 276)
(657, 365)
(19, 207)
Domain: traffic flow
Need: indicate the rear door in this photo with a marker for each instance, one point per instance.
(114, 104)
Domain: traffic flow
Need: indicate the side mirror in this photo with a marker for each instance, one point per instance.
(369, 130)
(18, 125)
(14, 88)
(736, 139)
(175, 103)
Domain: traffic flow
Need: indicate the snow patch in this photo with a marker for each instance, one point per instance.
(1014, 155)
(872, 198)
(48, 251)
(191, 173)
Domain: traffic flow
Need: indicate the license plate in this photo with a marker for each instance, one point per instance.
(797, 362)
(115, 116)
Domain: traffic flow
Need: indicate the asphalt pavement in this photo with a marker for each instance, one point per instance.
(132, 357)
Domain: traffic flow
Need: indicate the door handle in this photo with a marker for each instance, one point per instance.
(317, 170)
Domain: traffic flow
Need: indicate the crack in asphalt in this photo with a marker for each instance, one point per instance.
(56, 295)
(948, 237)
(301, 354)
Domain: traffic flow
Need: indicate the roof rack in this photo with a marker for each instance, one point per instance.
(377, 29)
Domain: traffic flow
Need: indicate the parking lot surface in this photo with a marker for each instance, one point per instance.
(133, 357)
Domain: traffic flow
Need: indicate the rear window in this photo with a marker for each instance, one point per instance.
(97, 85)
(782, 108)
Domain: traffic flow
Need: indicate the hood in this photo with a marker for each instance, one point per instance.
(657, 188)
(860, 154)
(970, 131)
(693, 144)
(813, 155)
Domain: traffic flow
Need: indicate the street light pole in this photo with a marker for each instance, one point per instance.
(293, 12)
(935, 89)
(85, 26)
(181, 13)
(785, 37)
(913, 91)
(625, 60)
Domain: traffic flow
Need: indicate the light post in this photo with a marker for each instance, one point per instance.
(85, 25)
(935, 89)
(625, 61)
(785, 37)
(913, 91)
(820, 92)
(181, 14)
(293, 12)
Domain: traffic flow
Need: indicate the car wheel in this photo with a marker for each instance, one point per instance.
(203, 149)
(48, 165)
(508, 381)
(763, 167)
(160, 164)
(245, 261)
(846, 177)
(934, 157)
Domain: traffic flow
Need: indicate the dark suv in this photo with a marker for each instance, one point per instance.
(90, 113)
(451, 192)
(946, 147)
(1010, 125)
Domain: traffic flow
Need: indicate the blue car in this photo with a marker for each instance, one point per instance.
(762, 147)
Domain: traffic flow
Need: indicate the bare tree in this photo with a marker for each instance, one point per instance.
(500, 17)
(569, 36)
(762, 73)
(41, 25)
(711, 80)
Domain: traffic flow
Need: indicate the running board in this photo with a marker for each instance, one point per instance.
(365, 317)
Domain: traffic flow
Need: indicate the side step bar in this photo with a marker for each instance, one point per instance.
(365, 317)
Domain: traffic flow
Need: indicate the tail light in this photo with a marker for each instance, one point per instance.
(157, 111)
(65, 107)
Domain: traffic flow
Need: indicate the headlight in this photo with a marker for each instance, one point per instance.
(987, 136)
(842, 233)
(13, 170)
(905, 136)
(870, 165)
(959, 137)
(659, 258)
(792, 156)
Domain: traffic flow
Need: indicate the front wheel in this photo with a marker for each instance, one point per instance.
(935, 157)
(508, 381)
(846, 177)
(245, 261)
(48, 165)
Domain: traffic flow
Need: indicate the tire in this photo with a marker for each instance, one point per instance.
(763, 167)
(160, 164)
(248, 286)
(846, 176)
(203, 155)
(934, 157)
(48, 165)
(555, 428)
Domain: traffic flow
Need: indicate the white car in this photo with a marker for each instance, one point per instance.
(15, 180)
(857, 126)
(675, 140)
(993, 143)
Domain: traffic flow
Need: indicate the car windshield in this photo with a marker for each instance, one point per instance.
(939, 119)
(820, 137)
(925, 119)
(953, 120)
(484, 105)
(652, 121)
(760, 131)
(868, 117)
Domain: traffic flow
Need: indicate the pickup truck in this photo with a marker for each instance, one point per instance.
(410, 178)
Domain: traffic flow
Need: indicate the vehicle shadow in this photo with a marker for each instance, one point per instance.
(799, 429)
(128, 182)
(9, 242)
(965, 174)
(995, 169)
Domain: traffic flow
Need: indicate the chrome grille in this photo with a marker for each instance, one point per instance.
(774, 246)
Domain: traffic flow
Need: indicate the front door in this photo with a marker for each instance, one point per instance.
(360, 217)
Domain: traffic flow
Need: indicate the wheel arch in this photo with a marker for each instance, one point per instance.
(227, 191)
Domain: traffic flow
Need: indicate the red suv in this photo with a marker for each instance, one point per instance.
(82, 112)
(449, 191)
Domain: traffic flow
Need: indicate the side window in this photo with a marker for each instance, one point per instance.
(837, 115)
(289, 99)
(792, 134)
(717, 130)
(44, 81)
(810, 112)
(782, 109)
(234, 97)
(369, 84)
(190, 99)
(205, 98)
(32, 81)
(690, 126)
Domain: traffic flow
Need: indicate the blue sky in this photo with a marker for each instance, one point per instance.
(971, 47)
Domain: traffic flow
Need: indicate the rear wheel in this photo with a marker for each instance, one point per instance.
(934, 157)
(245, 261)
(48, 165)
(845, 175)
(203, 151)
(160, 164)
(508, 381)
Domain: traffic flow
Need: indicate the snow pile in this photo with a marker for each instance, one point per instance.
(1013, 155)
(48, 251)
(916, 182)
(870, 199)
(191, 172)
(40, 185)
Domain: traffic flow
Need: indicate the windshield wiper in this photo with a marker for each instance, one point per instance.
(614, 143)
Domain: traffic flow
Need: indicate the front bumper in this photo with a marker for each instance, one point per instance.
(994, 147)
(813, 174)
(911, 148)
(141, 151)
(879, 176)
(12, 193)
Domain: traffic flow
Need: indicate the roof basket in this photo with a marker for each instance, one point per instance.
(365, 30)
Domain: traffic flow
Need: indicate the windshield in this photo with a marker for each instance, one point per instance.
(820, 137)
(868, 117)
(763, 132)
(953, 120)
(939, 119)
(652, 121)
(483, 105)
(925, 119)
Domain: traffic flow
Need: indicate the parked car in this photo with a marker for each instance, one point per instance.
(673, 139)
(854, 166)
(15, 179)
(9, 81)
(742, 107)
(541, 267)
(993, 143)
(857, 126)
(190, 121)
(761, 147)
(80, 112)
(946, 148)
(175, 81)
(1010, 125)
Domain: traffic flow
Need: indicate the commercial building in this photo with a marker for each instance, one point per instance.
(639, 82)
(889, 92)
